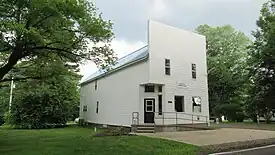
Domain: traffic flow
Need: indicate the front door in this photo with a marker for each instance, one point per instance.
(149, 109)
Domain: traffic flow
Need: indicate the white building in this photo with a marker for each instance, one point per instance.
(164, 83)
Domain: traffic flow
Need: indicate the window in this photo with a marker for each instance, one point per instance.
(160, 88)
(149, 88)
(196, 104)
(95, 84)
(194, 74)
(167, 67)
(149, 106)
(97, 104)
(85, 108)
(160, 104)
(179, 103)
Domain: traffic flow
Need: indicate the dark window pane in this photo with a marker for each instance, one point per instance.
(160, 104)
(194, 76)
(160, 88)
(95, 84)
(167, 62)
(167, 71)
(149, 88)
(149, 108)
(193, 67)
(167, 67)
(97, 105)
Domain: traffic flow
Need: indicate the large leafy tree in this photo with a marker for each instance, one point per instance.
(33, 29)
(262, 63)
(226, 60)
(42, 102)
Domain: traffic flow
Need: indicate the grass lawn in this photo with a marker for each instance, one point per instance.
(245, 125)
(73, 140)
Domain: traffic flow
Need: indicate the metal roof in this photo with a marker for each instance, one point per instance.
(133, 57)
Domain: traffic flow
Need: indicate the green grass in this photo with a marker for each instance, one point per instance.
(80, 141)
(245, 125)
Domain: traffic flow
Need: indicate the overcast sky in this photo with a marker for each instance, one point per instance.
(130, 18)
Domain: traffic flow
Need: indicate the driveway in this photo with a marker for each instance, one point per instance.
(212, 137)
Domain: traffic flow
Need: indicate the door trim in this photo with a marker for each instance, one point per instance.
(149, 115)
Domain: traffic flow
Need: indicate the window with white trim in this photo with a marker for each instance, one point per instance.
(194, 72)
(85, 108)
(97, 106)
(149, 88)
(167, 67)
(95, 84)
(196, 104)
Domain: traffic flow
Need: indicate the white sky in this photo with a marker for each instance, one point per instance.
(130, 19)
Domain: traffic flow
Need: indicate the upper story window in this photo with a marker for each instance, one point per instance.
(194, 74)
(167, 67)
(95, 84)
(97, 106)
(149, 88)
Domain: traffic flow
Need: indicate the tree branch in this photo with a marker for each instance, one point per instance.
(41, 20)
(5, 49)
(56, 49)
(19, 79)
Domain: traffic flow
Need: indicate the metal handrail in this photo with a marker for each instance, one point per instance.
(157, 116)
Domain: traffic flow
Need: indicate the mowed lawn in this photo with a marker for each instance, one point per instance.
(74, 140)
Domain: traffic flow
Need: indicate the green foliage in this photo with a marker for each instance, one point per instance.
(7, 117)
(4, 97)
(47, 102)
(114, 131)
(262, 64)
(2, 120)
(234, 112)
(40, 109)
(82, 123)
(66, 28)
(226, 62)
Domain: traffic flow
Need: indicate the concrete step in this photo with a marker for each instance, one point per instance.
(146, 128)
(145, 125)
(145, 131)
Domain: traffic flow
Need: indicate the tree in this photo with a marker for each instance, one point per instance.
(42, 103)
(262, 63)
(32, 29)
(226, 60)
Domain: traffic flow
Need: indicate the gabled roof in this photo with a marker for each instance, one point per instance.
(123, 62)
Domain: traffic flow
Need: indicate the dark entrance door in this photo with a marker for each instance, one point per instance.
(149, 109)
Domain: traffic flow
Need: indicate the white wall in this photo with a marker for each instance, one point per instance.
(182, 48)
(118, 96)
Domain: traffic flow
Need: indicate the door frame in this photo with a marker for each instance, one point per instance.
(145, 110)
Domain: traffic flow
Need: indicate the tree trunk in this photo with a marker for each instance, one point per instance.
(13, 59)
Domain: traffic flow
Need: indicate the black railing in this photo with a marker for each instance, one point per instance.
(167, 118)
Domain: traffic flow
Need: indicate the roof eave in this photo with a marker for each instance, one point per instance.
(114, 70)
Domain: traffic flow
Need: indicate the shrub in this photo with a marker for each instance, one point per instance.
(232, 111)
(7, 117)
(82, 122)
(114, 131)
(2, 121)
(36, 110)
